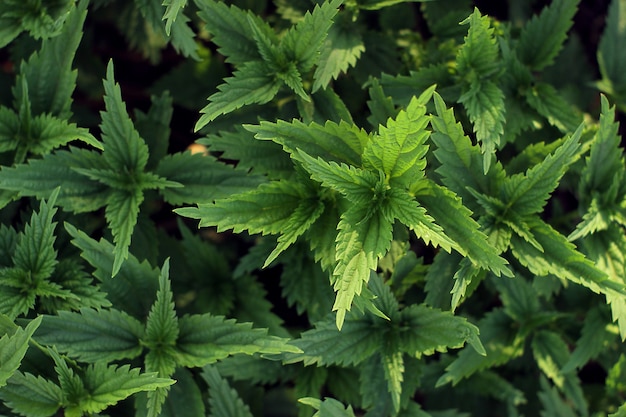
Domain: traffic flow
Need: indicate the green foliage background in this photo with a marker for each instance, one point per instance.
(392, 208)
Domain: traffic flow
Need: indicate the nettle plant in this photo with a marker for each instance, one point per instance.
(427, 206)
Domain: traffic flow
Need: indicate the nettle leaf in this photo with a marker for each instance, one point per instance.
(72, 385)
(8, 242)
(254, 369)
(478, 61)
(466, 279)
(353, 182)
(124, 150)
(41, 21)
(455, 219)
(173, 9)
(13, 347)
(327, 345)
(39, 177)
(154, 127)
(551, 353)
(33, 396)
(252, 155)
(273, 56)
(133, 278)
(34, 251)
(381, 106)
(326, 105)
(81, 291)
(11, 26)
(402, 88)
(484, 103)
(121, 215)
(478, 57)
(365, 235)
(224, 401)
(407, 210)
(206, 339)
(520, 299)
(601, 187)
(49, 133)
(203, 178)
(9, 125)
(299, 222)
(38, 134)
(501, 345)
(461, 163)
(292, 78)
(230, 30)
(303, 41)
(15, 299)
(611, 64)
(372, 378)
(280, 207)
(91, 335)
(399, 149)
(107, 385)
(252, 83)
(607, 249)
(605, 159)
(183, 399)
(338, 142)
(49, 73)
(342, 48)
(149, 34)
(393, 366)
(527, 193)
(559, 257)
(543, 36)
(425, 330)
(322, 235)
(549, 103)
(552, 402)
(162, 326)
(595, 337)
(440, 279)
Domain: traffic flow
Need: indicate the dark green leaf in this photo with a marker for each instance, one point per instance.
(224, 400)
(93, 335)
(543, 36)
(205, 339)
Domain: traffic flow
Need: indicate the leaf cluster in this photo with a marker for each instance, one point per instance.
(405, 208)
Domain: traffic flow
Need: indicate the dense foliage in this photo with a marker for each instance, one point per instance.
(383, 208)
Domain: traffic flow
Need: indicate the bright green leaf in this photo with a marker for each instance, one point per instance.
(340, 142)
(252, 83)
(302, 43)
(108, 385)
(399, 148)
(174, 7)
(13, 348)
(340, 51)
